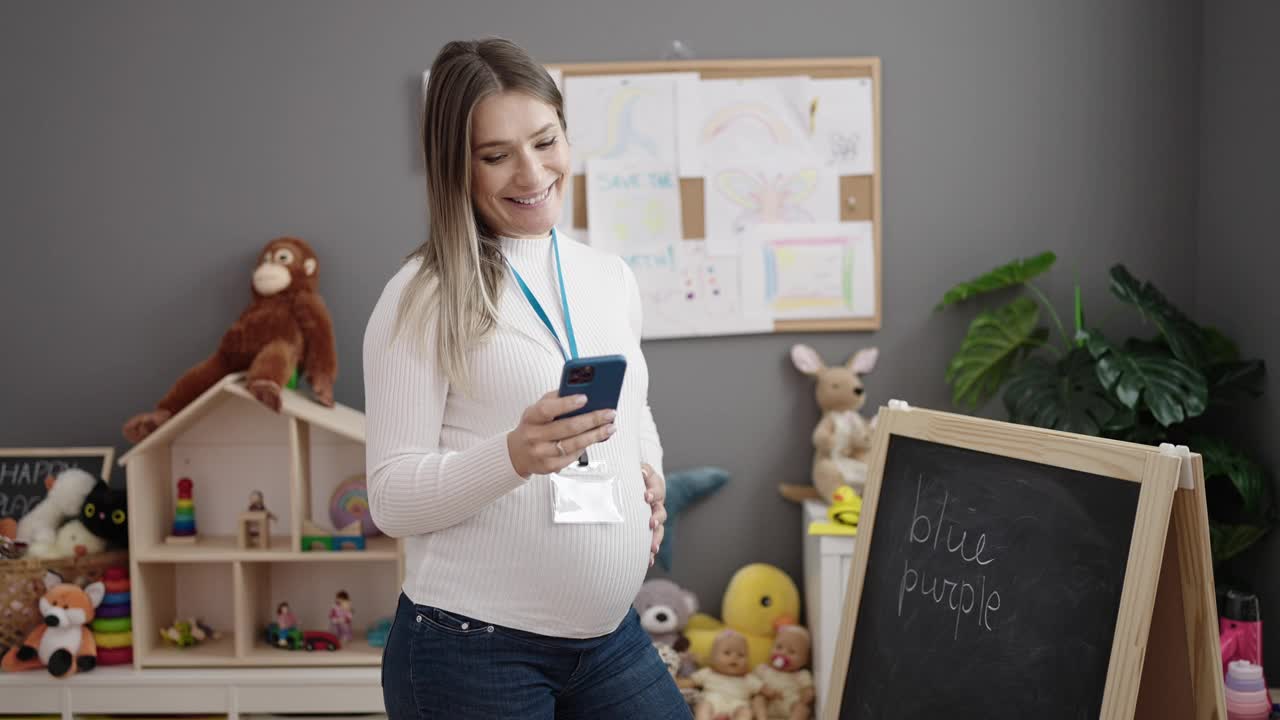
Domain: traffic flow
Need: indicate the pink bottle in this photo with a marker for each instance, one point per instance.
(1240, 628)
(1247, 697)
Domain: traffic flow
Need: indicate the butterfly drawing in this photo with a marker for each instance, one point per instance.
(768, 197)
(844, 147)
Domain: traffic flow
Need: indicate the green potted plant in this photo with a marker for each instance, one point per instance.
(1174, 386)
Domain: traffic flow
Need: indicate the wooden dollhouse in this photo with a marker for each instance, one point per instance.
(231, 446)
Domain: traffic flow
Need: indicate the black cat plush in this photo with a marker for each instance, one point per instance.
(104, 513)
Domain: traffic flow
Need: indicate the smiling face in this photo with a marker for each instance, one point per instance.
(519, 162)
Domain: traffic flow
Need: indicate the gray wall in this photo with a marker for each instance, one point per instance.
(1237, 255)
(150, 148)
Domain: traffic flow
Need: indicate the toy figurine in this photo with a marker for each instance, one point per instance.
(788, 685)
(187, 633)
(285, 621)
(340, 617)
(727, 683)
(255, 524)
(256, 504)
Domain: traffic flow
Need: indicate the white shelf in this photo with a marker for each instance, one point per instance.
(826, 577)
(222, 548)
(357, 652)
(211, 652)
(233, 691)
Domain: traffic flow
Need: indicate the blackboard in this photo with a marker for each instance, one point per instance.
(1023, 565)
(23, 472)
(1002, 571)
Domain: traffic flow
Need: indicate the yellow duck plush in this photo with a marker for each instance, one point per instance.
(760, 598)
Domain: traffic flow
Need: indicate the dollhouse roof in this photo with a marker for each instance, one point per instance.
(340, 420)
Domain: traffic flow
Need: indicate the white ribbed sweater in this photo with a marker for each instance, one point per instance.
(481, 540)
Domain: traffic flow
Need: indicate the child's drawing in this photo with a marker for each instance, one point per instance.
(806, 271)
(741, 196)
(617, 117)
(843, 123)
(631, 203)
(766, 196)
(621, 134)
(686, 292)
(746, 119)
(723, 118)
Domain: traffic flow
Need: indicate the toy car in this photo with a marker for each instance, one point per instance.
(319, 639)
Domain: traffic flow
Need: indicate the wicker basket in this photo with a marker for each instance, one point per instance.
(22, 584)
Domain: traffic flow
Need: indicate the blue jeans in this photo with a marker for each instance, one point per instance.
(439, 664)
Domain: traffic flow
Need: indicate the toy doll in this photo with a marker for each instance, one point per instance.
(257, 504)
(787, 692)
(340, 616)
(285, 621)
(727, 683)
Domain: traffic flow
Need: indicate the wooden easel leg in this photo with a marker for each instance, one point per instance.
(1182, 674)
(1165, 693)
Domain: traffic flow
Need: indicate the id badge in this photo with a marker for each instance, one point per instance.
(585, 494)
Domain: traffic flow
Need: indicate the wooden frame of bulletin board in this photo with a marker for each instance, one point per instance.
(860, 195)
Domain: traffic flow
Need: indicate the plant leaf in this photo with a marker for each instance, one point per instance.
(991, 349)
(1185, 338)
(1218, 347)
(1155, 345)
(1063, 395)
(1221, 459)
(1234, 383)
(1122, 423)
(1228, 541)
(1008, 275)
(1170, 389)
(1079, 312)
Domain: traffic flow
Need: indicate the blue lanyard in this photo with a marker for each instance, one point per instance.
(564, 303)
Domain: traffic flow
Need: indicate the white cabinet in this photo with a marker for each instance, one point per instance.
(826, 575)
(236, 692)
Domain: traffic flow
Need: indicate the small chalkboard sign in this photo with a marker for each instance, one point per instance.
(1003, 571)
(23, 472)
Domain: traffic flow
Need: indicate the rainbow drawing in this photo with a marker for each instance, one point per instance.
(748, 113)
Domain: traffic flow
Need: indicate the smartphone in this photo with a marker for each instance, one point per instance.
(599, 378)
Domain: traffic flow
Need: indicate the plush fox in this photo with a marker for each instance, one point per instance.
(63, 642)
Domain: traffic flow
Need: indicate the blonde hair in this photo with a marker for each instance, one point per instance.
(462, 267)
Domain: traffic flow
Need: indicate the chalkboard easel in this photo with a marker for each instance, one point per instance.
(1006, 571)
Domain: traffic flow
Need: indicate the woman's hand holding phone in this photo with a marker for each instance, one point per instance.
(541, 445)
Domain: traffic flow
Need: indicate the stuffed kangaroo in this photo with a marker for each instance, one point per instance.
(842, 436)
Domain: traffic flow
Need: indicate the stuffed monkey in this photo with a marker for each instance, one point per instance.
(285, 326)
